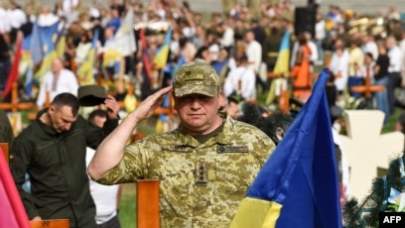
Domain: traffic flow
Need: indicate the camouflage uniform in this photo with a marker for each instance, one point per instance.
(201, 184)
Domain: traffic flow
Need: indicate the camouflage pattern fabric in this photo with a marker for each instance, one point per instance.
(201, 184)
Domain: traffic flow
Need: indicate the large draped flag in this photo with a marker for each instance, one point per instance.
(162, 54)
(48, 59)
(39, 48)
(12, 214)
(13, 73)
(124, 39)
(122, 45)
(41, 41)
(35, 44)
(297, 186)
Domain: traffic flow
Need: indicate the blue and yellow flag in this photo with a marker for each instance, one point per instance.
(163, 53)
(51, 56)
(282, 63)
(34, 44)
(297, 186)
(85, 72)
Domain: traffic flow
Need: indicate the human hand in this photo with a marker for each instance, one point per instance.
(146, 108)
(112, 107)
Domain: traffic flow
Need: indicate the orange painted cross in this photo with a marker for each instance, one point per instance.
(284, 102)
(14, 105)
(368, 88)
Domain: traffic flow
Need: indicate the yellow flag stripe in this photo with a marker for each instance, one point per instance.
(256, 213)
(161, 57)
(282, 63)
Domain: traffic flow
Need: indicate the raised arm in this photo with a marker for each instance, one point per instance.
(111, 150)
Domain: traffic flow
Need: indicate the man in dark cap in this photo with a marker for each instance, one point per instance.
(52, 151)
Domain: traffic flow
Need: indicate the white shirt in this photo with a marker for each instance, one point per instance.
(228, 37)
(340, 65)
(5, 22)
(294, 53)
(320, 31)
(82, 51)
(314, 51)
(371, 47)
(66, 83)
(104, 196)
(367, 70)
(188, 31)
(47, 19)
(69, 5)
(254, 55)
(242, 80)
(395, 59)
(18, 17)
(402, 47)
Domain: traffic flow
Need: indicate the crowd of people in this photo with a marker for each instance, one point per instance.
(242, 47)
(133, 50)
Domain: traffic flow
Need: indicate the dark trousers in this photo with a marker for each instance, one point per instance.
(262, 85)
(112, 223)
(4, 70)
(394, 81)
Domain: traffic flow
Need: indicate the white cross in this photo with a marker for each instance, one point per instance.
(365, 149)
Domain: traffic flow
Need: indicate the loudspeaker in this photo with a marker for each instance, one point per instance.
(305, 19)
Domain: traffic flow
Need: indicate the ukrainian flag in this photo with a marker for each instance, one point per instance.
(280, 69)
(297, 186)
(85, 72)
(163, 53)
(282, 63)
(51, 56)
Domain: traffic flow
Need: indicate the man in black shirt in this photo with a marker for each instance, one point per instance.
(381, 78)
(52, 151)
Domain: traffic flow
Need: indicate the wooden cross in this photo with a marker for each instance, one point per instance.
(14, 105)
(147, 204)
(366, 150)
(368, 88)
(284, 102)
(52, 223)
(4, 148)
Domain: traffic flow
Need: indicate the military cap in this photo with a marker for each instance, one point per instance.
(196, 78)
(91, 95)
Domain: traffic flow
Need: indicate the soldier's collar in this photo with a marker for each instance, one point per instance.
(225, 136)
(183, 139)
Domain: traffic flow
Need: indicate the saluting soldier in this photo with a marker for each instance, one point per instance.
(205, 166)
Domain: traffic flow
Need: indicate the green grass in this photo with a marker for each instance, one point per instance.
(127, 213)
(392, 120)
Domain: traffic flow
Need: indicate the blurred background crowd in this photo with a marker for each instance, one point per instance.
(132, 49)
